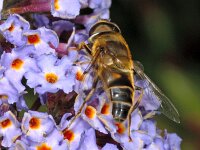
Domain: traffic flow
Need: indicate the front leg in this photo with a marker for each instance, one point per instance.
(86, 47)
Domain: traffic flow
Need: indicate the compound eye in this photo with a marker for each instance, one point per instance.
(116, 29)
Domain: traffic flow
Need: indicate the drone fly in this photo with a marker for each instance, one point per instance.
(112, 64)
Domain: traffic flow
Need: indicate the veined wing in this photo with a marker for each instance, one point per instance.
(166, 106)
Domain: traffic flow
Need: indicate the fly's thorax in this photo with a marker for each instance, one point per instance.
(107, 60)
(112, 44)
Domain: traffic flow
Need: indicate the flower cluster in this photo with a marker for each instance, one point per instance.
(41, 56)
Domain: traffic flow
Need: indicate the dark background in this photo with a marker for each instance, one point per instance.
(164, 35)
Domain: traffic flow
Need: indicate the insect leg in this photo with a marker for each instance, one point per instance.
(140, 97)
(133, 108)
(84, 46)
(85, 101)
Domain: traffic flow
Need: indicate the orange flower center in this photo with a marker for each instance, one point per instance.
(34, 123)
(33, 39)
(56, 4)
(11, 28)
(6, 123)
(121, 128)
(69, 135)
(90, 112)
(44, 146)
(51, 78)
(105, 109)
(79, 76)
(4, 97)
(17, 64)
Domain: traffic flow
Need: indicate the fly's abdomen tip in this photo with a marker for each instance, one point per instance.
(120, 111)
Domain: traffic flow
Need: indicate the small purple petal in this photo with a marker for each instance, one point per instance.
(88, 140)
(41, 20)
(172, 141)
(62, 25)
(13, 28)
(1, 7)
(136, 120)
(109, 147)
(11, 131)
(45, 124)
(150, 127)
(65, 9)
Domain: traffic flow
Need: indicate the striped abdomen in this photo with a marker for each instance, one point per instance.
(121, 93)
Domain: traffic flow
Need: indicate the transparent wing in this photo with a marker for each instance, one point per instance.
(166, 106)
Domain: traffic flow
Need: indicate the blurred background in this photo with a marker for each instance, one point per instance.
(164, 35)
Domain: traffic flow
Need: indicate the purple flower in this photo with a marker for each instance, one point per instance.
(73, 133)
(54, 140)
(88, 140)
(62, 25)
(36, 125)
(100, 11)
(81, 83)
(109, 147)
(80, 37)
(41, 20)
(172, 141)
(1, 7)
(42, 39)
(89, 114)
(54, 74)
(152, 146)
(101, 4)
(7, 92)
(65, 9)
(150, 127)
(9, 129)
(13, 28)
(17, 63)
(21, 104)
(19, 145)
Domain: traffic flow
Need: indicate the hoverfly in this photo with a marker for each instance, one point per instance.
(112, 63)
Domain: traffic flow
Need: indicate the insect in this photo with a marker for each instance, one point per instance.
(112, 63)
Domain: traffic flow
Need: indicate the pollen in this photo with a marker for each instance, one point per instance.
(44, 146)
(79, 76)
(34, 123)
(69, 135)
(51, 78)
(6, 123)
(17, 64)
(33, 39)
(56, 4)
(105, 109)
(11, 28)
(121, 128)
(90, 112)
(4, 97)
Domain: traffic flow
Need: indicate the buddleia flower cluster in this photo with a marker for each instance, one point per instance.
(42, 89)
